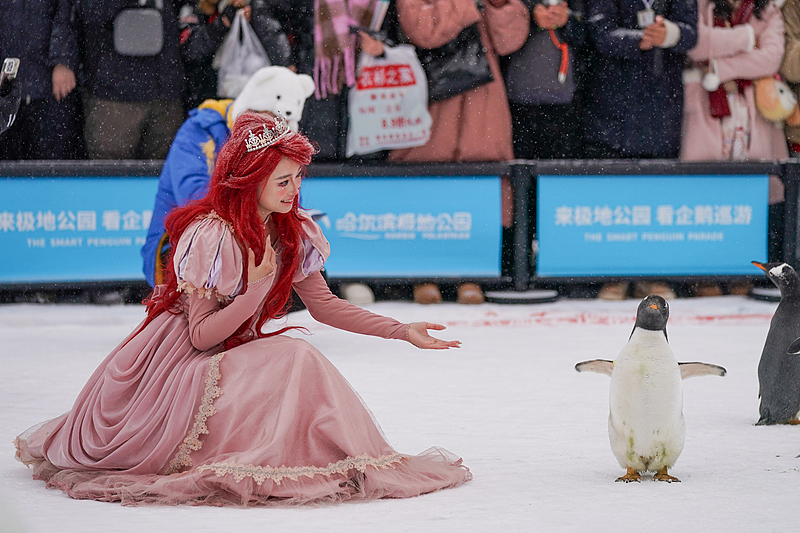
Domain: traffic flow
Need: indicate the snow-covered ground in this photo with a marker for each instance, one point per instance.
(530, 428)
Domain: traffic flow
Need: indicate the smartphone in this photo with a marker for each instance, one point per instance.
(8, 73)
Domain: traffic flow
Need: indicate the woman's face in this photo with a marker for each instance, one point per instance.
(279, 190)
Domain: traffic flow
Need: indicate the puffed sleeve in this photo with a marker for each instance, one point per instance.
(208, 260)
(314, 251)
(323, 305)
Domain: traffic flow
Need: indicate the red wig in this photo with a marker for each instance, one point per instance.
(233, 194)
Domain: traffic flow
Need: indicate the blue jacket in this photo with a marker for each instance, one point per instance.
(635, 101)
(186, 171)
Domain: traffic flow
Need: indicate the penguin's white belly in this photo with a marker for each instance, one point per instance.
(645, 424)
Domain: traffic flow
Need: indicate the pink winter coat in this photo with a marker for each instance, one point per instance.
(475, 125)
(702, 133)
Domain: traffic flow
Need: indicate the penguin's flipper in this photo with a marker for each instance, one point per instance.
(600, 366)
(794, 348)
(691, 370)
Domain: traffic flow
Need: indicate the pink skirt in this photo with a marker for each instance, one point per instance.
(268, 422)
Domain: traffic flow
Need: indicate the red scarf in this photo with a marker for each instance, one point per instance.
(718, 100)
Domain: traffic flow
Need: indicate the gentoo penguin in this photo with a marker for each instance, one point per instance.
(779, 367)
(645, 422)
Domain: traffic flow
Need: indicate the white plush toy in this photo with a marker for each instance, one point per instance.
(278, 90)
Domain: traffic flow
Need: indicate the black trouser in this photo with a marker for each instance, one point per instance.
(45, 129)
(549, 131)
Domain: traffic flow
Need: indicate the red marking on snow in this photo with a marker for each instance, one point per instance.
(555, 318)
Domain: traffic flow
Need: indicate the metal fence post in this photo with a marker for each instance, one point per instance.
(521, 175)
(791, 180)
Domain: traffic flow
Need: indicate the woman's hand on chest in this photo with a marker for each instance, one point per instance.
(256, 272)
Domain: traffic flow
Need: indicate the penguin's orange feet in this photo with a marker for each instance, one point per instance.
(631, 476)
(794, 422)
(662, 475)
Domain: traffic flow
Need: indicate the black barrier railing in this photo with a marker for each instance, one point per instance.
(66, 169)
(522, 174)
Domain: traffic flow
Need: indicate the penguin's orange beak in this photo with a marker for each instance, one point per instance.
(759, 265)
(653, 306)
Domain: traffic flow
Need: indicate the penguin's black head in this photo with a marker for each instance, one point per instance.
(653, 313)
(782, 275)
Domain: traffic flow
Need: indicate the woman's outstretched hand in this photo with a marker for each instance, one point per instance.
(418, 336)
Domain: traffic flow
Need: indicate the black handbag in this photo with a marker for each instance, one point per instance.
(456, 67)
(533, 72)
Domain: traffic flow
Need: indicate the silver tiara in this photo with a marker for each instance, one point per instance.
(269, 136)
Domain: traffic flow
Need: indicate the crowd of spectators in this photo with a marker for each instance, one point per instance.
(635, 79)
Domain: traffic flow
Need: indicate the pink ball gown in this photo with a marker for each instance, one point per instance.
(171, 417)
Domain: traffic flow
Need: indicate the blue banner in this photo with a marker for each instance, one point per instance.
(73, 229)
(76, 229)
(650, 225)
(409, 226)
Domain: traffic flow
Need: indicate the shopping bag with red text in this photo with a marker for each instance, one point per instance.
(388, 106)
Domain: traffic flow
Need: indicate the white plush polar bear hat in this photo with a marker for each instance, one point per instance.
(277, 90)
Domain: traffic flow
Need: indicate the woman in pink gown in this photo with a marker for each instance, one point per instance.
(199, 405)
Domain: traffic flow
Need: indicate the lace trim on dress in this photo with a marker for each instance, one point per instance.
(262, 473)
(202, 292)
(192, 441)
(213, 214)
